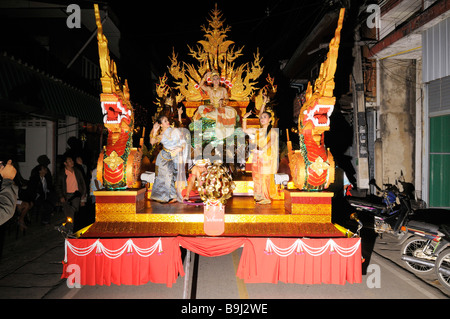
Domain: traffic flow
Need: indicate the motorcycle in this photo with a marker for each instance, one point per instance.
(428, 247)
(424, 233)
(386, 213)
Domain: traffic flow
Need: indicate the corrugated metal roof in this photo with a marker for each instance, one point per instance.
(22, 84)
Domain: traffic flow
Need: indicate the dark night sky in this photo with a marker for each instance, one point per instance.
(276, 27)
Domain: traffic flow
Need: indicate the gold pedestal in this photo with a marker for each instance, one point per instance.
(313, 207)
(130, 201)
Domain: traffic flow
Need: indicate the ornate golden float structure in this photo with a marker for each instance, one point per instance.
(135, 241)
(303, 212)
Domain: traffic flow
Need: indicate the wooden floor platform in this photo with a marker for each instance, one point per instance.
(243, 217)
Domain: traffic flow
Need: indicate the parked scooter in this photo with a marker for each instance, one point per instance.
(385, 214)
(428, 249)
(424, 232)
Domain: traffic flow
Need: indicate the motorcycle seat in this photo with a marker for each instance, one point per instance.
(423, 226)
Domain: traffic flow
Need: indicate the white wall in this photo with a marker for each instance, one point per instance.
(38, 141)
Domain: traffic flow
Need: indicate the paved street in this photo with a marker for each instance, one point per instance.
(31, 269)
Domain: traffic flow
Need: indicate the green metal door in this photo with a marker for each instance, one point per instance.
(439, 192)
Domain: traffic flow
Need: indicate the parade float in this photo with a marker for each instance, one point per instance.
(135, 240)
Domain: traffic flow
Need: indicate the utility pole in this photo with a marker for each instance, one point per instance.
(359, 109)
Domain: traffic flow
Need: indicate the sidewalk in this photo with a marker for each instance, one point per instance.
(31, 263)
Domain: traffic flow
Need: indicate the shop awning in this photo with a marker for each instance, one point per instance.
(25, 89)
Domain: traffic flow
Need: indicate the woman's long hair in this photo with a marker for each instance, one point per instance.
(269, 127)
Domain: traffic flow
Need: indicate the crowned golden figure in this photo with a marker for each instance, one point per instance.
(215, 108)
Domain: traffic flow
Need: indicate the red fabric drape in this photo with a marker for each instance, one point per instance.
(128, 268)
(255, 266)
(211, 247)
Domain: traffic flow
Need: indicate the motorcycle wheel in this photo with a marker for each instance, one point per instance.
(414, 247)
(443, 262)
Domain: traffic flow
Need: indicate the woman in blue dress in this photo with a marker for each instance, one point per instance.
(170, 176)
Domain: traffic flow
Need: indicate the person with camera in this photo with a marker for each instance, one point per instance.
(8, 192)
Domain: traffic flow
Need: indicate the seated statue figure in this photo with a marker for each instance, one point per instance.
(215, 120)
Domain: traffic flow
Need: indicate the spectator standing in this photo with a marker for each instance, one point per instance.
(71, 190)
(40, 186)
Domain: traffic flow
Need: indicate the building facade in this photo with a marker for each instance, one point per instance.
(411, 113)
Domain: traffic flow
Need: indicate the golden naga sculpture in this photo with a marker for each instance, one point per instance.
(119, 164)
(312, 166)
(215, 52)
